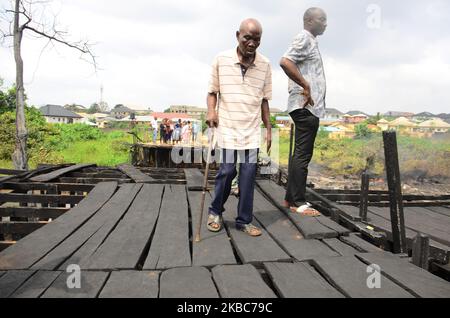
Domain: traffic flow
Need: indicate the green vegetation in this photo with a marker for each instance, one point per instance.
(351, 156)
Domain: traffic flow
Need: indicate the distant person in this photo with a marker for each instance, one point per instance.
(302, 63)
(162, 131)
(177, 132)
(154, 129)
(238, 119)
(195, 131)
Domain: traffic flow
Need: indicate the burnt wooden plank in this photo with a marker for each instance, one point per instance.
(126, 244)
(170, 245)
(60, 172)
(30, 212)
(240, 281)
(286, 234)
(111, 210)
(299, 280)
(33, 247)
(108, 222)
(440, 209)
(20, 227)
(6, 244)
(341, 247)
(194, 179)
(36, 285)
(328, 222)
(310, 227)
(251, 249)
(42, 198)
(21, 186)
(135, 174)
(11, 171)
(360, 244)
(437, 250)
(131, 284)
(421, 220)
(350, 276)
(213, 248)
(415, 279)
(12, 280)
(93, 180)
(187, 282)
(90, 282)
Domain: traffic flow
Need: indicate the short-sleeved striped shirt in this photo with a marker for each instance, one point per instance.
(240, 98)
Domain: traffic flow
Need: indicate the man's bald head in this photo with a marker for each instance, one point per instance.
(315, 21)
(250, 24)
(249, 37)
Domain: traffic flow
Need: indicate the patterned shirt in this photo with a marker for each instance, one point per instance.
(304, 52)
(240, 98)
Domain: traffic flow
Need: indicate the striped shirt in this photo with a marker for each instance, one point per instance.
(240, 98)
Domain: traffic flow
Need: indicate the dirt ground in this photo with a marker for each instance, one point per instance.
(409, 186)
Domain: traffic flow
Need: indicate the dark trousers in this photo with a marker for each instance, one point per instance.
(306, 126)
(226, 174)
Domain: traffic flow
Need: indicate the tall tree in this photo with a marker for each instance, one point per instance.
(22, 10)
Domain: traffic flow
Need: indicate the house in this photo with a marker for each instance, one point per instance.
(354, 119)
(434, 126)
(423, 116)
(339, 131)
(121, 111)
(56, 114)
(402, 124)
(332, 114)
(191, 111)
(399, 114)
(383, 124)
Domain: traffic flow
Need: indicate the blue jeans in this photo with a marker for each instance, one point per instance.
(226, 174)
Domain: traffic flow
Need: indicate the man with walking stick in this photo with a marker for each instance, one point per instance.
(240, 87)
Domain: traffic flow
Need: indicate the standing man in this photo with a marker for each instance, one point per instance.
(240, 87)
(154, 123)
(302, 63)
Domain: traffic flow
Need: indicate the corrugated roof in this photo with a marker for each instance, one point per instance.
(57, 111)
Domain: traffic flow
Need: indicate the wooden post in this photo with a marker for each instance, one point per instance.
(395, 191)
(364, 196)
(291, 140)
(421, 251)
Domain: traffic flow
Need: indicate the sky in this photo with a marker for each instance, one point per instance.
(378, 56)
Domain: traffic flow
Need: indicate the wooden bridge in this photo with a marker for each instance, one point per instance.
(130, 232)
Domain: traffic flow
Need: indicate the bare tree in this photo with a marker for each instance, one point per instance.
(23, 11)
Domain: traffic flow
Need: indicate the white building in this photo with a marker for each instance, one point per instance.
(56, 114)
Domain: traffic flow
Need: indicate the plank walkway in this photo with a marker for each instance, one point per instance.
(136, 240)
(60, 172)
(135, 174)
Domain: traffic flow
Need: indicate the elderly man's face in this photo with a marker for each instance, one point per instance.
(249, 40)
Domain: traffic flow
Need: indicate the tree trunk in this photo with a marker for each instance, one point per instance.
(19, 156)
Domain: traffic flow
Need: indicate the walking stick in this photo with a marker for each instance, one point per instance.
(205, 186)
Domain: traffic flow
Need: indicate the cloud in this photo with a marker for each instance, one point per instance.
(157, 53)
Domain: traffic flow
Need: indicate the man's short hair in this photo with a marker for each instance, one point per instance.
(310, 12)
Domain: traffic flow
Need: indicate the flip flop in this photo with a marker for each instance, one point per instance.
(305, 210)
(214, 223)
